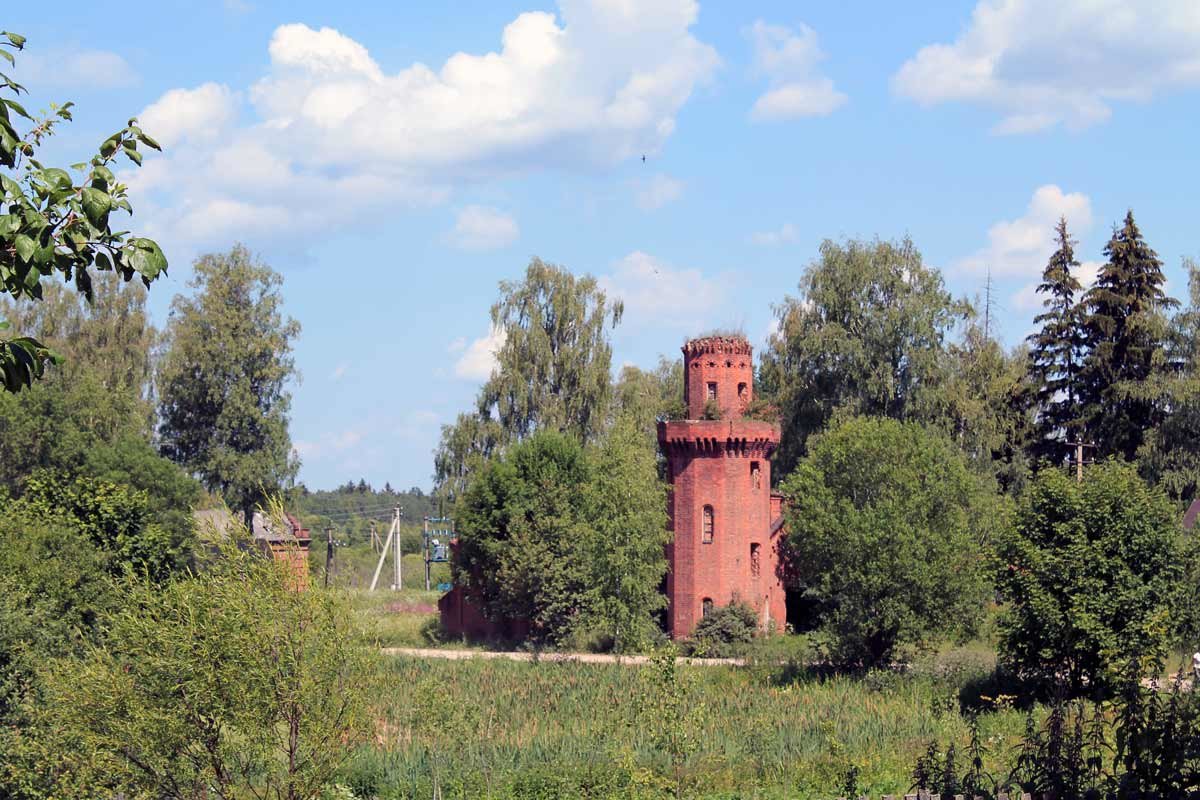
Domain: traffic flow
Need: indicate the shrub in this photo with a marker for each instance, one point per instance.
(889, 528)
(720, 633)
(225, 682)
(1091, 573)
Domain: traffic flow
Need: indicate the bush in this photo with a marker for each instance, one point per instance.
(194, 683)
(719, 634)
(567, 538)
(889, 528)
(1091, 573)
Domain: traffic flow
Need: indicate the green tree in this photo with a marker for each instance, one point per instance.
(650, 396)
(1170, 456)
(889, 527)
(567, 539)
(223, 380)
(98, 397)
(866, 334)
(50, 224)
(980, 401)
(116, 519)
(54, 596)
(1124, 330)
(228, 683)
(1090, 576)
(627, 536)
(552, 371)
(1055, 352)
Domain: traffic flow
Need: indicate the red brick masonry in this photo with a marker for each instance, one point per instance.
(725, 519)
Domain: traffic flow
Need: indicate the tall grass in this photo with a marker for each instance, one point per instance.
(505, 729)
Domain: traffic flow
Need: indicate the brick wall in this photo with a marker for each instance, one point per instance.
(723, 464)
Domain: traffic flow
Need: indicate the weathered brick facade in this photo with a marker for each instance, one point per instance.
(727, 535)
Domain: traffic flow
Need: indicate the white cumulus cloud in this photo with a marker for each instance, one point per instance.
(1041, 64)
(483, 228)
(594, 84)
(1019, 248)
(789, 59)
(479, 358)
(203, 114)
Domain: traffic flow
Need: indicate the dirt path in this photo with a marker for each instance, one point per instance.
(579, 658)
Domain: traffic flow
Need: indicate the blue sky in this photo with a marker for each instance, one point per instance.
(395, 161)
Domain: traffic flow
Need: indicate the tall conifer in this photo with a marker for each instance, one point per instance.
(1055, 352)
(1124, 329)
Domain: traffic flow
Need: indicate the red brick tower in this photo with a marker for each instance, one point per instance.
(727, 530)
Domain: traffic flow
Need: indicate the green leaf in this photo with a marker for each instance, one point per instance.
(146, 140)
(96, 204)
(9, 224)
(25, 247)
(17, 39)
(145, 256)
(8, 55)
(17, 107)
(57, 178)
(134, 155)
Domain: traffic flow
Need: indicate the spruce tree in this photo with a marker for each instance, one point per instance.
(1055, 352)
(1124, 332)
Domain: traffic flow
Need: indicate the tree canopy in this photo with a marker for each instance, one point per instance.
(568, 539)
(552, 370)
(1090, 574)
(1124, 330)
(1055, 352)
(866, 334)
(890, 529)
(224, 379)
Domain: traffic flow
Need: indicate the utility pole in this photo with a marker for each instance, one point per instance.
(328, 554)
(396, 522)
(391, 546)
(1079, 460)
(374, 538)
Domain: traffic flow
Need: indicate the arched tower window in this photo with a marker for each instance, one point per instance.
(706, 533)
(755, 560)
(755, 475)
(706, 606)
(712, 391)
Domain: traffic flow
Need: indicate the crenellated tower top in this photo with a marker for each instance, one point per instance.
(719, 369)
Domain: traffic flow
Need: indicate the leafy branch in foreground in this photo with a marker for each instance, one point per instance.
(51, 223)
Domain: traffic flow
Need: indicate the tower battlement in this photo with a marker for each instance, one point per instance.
(720, 370)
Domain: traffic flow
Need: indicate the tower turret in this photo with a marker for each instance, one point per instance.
(719, 369)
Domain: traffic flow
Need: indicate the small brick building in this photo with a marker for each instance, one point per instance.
(726, 522)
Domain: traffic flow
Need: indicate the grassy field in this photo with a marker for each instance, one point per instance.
(770, 730)
(542, 730)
